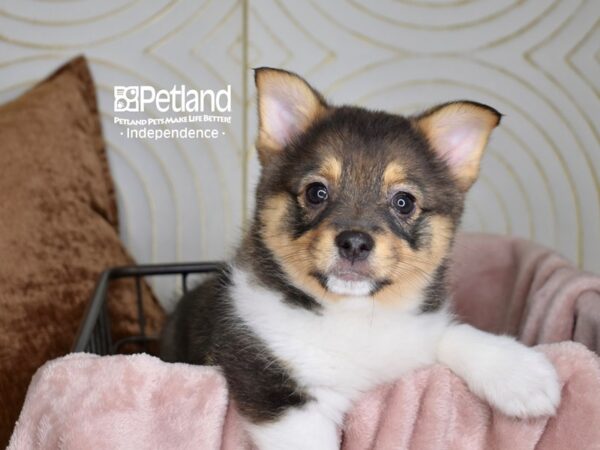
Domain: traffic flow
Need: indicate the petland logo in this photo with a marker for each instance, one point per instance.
(191, 114)
(179, 99)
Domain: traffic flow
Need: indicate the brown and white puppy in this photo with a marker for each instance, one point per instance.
(339, 284)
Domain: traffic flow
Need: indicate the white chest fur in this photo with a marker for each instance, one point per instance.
(345, 349)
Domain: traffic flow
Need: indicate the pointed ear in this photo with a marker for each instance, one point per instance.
(459, 132)
(287, 107)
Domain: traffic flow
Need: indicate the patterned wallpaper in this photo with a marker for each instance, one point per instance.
(537, 61)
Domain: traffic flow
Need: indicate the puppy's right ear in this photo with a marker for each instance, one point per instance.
(458, 132)
(287, 107)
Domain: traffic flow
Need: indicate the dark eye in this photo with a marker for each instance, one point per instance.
(316, 193)
(404, 203)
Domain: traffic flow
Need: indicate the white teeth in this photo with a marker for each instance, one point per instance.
(343, 287)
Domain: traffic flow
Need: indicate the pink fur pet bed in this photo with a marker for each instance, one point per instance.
(138, 402)
(500, 284)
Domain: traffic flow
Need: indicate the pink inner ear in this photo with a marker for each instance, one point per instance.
(280, 119)
(459, 143)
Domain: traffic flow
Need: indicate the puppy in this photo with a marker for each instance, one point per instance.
(339, 284)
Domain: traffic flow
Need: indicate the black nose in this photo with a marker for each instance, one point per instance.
(354, 245)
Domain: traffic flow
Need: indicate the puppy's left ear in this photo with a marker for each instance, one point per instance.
(287, 107)
(459, 132)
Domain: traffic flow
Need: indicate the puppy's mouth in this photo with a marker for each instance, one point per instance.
(348, 271)
(350, 279)
(350, 276)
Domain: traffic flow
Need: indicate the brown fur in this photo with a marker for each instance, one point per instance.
(313, 251)
(363, 158)
(297, 243)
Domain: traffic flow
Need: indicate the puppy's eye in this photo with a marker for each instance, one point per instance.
(404, 203)
(316, 193)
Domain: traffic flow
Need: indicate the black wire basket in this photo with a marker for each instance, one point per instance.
(94, 334)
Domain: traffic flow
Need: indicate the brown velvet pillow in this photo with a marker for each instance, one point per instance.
(58, 230)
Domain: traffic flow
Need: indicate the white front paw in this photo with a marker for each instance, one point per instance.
(302, 428)
(520, 383)
(517, 380)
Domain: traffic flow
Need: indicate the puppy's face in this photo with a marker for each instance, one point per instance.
(360, 203)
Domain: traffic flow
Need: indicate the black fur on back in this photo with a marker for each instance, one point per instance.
(205, 330)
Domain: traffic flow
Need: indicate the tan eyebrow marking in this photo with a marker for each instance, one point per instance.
(394, 174)
(331, 169)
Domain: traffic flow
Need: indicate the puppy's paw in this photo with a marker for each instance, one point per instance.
(521, 383)
(303, 428)
(513, 378)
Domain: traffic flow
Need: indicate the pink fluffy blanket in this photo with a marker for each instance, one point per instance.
(138, 402)
(500, 284)
(508, 285)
